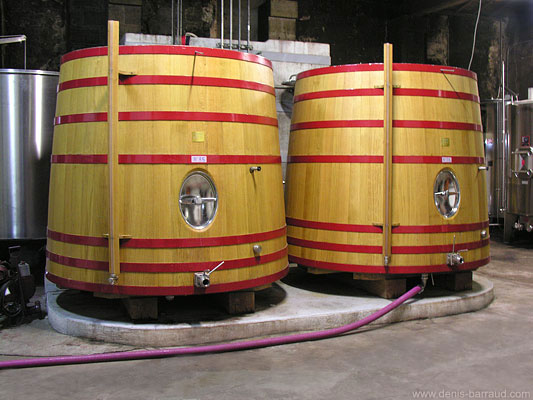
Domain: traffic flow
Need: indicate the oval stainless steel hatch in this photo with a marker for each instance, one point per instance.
(198, 200)
(446, 193)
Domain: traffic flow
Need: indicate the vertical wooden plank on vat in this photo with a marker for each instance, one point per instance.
(387, 156)
(112, 157)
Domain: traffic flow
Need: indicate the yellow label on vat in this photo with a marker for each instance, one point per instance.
(445, 142)
(198, 136)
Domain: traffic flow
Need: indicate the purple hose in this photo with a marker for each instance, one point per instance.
(216, 348)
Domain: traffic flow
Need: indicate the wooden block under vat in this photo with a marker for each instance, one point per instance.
(238, 302)
(455, 282)
(141, 307)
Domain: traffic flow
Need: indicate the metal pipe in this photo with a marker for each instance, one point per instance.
(221, 24)
(239, 35)
(172, 22)
(504, 151)
(216, 348)
(181, 21)
(178, 22)
(230, 24)
(248, 30)
(3, 28)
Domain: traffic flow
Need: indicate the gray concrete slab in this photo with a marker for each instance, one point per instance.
(469, 355)
(302, 302)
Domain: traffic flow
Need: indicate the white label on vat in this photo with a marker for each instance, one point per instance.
(525, 182)
(446, 160)
(198, 159)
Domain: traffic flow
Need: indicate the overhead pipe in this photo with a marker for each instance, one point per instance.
(230, 24)
(239, 35)
(221, 24)
(216, 348)
(248, 29)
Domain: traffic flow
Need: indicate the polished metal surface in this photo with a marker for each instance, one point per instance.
(447, 195)
(27, 107)
(521, 134)
(496, 148)
(198, 200)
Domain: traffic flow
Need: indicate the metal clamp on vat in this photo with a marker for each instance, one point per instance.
(202, 279)
(253, 169)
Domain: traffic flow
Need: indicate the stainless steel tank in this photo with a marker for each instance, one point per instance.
(521, 177)
(27, 107)
(496, 148)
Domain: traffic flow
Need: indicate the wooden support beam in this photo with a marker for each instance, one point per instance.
(112, 158)
(387, 155)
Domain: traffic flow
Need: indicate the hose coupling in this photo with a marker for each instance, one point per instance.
(424, 281)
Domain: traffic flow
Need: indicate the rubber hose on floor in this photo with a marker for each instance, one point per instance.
(216, 348)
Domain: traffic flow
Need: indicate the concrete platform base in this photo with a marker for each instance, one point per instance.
(302, 302)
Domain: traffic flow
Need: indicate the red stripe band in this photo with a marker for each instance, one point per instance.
(337, 93)
(334, 227)
(164, 159)
(168, 50)
(361, 123)
(350, 248)
(329, 226)
(83, 82)
(437, 160)
(77, 118)
(191, 159)
(441, 69)
(379, 92)
(447, 94)
(462, 126)
(377, 123)
(77, 239)
(440, 228)
(169, 243)
(380, 269)
(336, 159)
(165, 291)
(168, 116)
(169, 80)
(379, 159)
(167, 267)
(336, 69)
(445, 248)
(79, 159)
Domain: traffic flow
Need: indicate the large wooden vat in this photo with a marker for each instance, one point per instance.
(182, 111)
(335, 193)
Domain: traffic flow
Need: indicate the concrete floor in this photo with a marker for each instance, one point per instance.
(484, 354)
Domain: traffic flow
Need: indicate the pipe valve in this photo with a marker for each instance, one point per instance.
(454, 258)
(202, 279)
(253, 169)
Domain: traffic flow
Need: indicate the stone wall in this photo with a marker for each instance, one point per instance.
(355, 29)
(44, 24)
